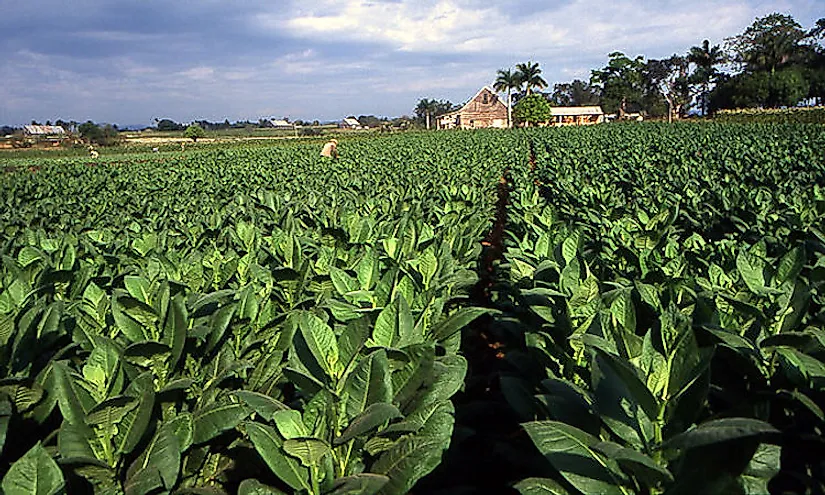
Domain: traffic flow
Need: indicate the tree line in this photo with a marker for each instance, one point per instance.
(775, 62)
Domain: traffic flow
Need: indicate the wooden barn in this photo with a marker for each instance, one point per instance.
(44, 132)
(562, 116)
(482, 111)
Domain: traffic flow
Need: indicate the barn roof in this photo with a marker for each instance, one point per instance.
(351, 121)
(463, 107)
(280, 123)
(43, 130)
(568, 111)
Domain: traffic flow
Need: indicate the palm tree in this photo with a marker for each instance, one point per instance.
(706, 58)
(426, 107)
(507, 81)
(530, 75)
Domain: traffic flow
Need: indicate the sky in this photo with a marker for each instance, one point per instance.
(131, 62)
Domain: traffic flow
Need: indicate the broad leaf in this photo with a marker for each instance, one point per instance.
(571, 451)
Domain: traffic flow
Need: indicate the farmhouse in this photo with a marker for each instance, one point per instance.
(281, 124)
(483, 110)
(561, 116)
(351, 123)
(45, 132)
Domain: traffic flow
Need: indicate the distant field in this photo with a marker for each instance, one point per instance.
(146, 141)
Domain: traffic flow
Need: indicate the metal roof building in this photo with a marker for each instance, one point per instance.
(44, 130)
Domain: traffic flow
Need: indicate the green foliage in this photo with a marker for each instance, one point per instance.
(297, 326)
(287, 322)
(106, 135)
(666, 306)
(193, 132)
(532, 110)
(620, 83)
(794, 115)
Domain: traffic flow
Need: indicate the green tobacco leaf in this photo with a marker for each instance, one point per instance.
(623, 311)
(641, 466)
(352, 340)
(74, 441)
(255, 487)
(134, 424)
(427, 266)
(289, 424)
(407, 381)
(457, 321)
(212, 420)
(720, 430)
(571, 451)
(218, 324)
(408, 461)
(269, 445)
(176, 328)
(29, 255)
(164, 454)
(23, 397)
(570, 248)
(448, 378)
(138, 287)
(790, 266)
(5, 416)
(320, 341)
(540, 486)
(618, 386)
(752, 269)
(143, 481)
(146, 353)
(762, 468)
(72, 405)
(369, 383)
(262, 404)
(183, 428)
(374, 416)
(35, 473)
(359, 484)
(807, 368)
(368, 270)
(309, 450)
(342, 282)
(395, 326)
(128, 326)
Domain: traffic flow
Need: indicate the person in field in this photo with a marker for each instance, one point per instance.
(330, 149)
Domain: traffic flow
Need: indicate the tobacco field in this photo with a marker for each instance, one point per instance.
(617, 309)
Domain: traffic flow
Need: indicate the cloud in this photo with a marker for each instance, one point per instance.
(130, 62)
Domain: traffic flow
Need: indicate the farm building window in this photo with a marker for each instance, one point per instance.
(484, 99)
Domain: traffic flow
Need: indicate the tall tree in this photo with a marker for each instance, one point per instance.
(770, 43)
(706, 58)
(668, 78)
(532, 110)
(781, 64)
(427, 109)
(575, 93)
(507, 81)
(620, 82)
(530, 75)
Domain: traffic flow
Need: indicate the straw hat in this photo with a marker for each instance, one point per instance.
(333, 141)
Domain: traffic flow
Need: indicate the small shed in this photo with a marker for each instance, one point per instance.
(562, 116)
(45, 132)
(482, 111)
(351, 123)
(281, 124)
